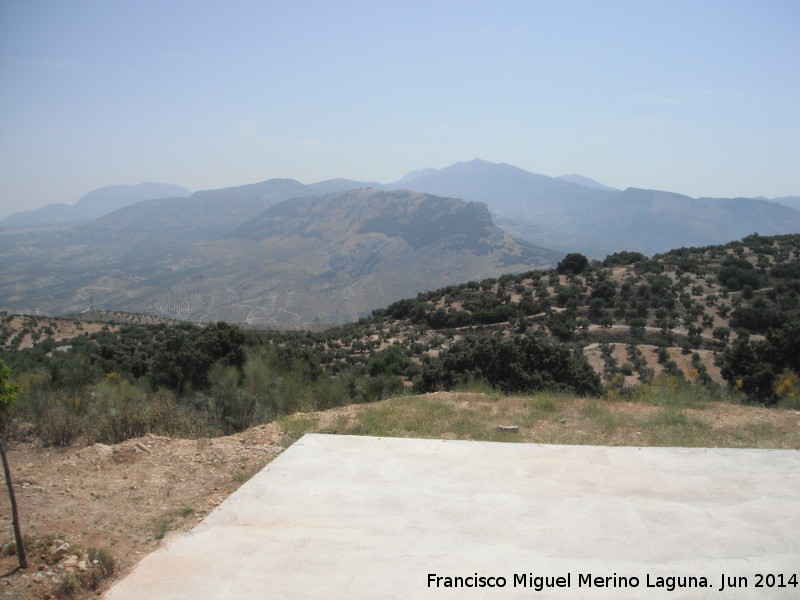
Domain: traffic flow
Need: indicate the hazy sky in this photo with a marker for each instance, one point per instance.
(697, 97)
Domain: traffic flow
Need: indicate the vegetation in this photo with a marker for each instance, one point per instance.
(673, 412)
(716, 316)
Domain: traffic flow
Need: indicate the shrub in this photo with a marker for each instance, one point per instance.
(57, 426)
(520, 364)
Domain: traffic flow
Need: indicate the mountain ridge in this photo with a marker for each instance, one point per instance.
(92, 205)
(329, 259)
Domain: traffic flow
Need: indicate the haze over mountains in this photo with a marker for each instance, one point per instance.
(282, 252)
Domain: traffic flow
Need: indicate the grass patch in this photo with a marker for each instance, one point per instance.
(296, 426)
(670, 418)
(241, 477)
(166, 522)
(789, 403)
(478, 385)
(674, 427)
(408, 417)
(599, 415)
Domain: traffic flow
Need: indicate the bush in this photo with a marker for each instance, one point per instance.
(57, 426)
(521, 364)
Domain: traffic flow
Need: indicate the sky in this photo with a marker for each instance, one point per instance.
(698, 97)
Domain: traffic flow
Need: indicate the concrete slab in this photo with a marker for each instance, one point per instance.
(341, 517)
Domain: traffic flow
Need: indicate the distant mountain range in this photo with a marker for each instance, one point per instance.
(576, 214)
(567, 213)
(91, 206)
(285, 253)
(315, 259)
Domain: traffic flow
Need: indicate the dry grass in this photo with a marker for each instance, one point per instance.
(562, 419)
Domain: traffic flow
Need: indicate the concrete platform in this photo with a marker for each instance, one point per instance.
(345, 517)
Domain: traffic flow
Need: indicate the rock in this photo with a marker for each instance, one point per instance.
(72, 561)
(508, 428)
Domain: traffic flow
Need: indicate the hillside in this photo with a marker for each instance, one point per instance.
(633, 318)
(329, 259)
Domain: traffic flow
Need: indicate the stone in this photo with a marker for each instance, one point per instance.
(508, 428)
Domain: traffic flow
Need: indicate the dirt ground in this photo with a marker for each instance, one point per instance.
(123, 498)
(128, 497)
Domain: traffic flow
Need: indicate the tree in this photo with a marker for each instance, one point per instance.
(574, 263)
(8, 396)
(754, 367)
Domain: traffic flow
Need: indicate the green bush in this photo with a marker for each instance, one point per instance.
(519, 364)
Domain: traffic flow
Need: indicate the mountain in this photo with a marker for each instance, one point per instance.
(204, 215)
(575, 214)
(507, 190)
(330, 186)
(314, 259)
(92, 205)
(790, 201)
(534, 207)
(652, 220)
(282, 252)
(585, 181)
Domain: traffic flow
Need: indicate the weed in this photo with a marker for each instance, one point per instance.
(103, 560)
(186, 511)
(163, 526)
(67, 587)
